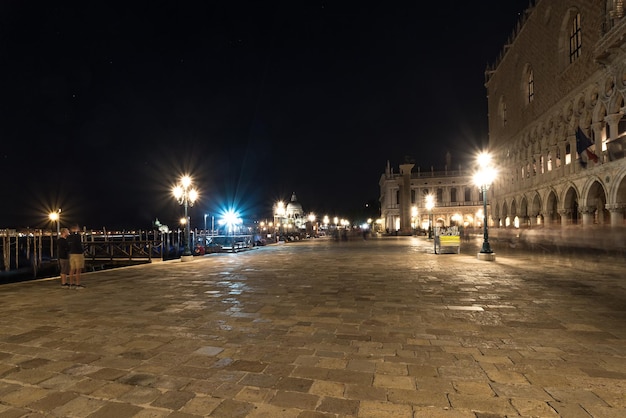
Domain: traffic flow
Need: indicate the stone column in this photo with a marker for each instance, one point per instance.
(617, 213)
(564, 216)
(597, 148)
(539, 164)
(574, 166)
(562, 154)
(588, 212)
(405, 198)
(547, 218)
(553, 158)
(612, 147)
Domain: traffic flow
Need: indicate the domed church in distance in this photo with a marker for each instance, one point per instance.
(295, 214)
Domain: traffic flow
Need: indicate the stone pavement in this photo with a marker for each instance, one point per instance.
(377, 328)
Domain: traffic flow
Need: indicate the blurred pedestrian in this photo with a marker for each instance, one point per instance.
(63, 252)
(77, 257)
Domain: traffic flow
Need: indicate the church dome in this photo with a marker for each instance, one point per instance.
(294, 208)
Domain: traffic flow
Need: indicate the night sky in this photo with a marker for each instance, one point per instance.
(104, 104)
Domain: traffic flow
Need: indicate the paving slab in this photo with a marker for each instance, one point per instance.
(378, 328)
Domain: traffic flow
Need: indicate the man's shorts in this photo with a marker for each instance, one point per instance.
(64, 265)
(77, 261)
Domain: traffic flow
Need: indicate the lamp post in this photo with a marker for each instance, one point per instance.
(483, 178)
(312, 219)
(186, 196)
(56, 217)
(430, 203)
(279, 214)
(204, 242)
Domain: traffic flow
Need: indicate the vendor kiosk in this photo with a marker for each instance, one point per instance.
(447, 240)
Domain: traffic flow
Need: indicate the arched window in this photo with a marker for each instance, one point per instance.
(570, 38)
(575, 39)
(529, 85)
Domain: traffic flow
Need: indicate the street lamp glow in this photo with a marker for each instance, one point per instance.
(231, 219)
(487, 172)
(484, 176)
(56, 217)
(186, 196)
(279, 217)
(430, 204)
(280, 208)
(483, 159)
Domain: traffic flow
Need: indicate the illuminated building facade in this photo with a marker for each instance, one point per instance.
(556, 105)
(457, 201)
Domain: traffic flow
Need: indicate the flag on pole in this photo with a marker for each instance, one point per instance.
(582, 144)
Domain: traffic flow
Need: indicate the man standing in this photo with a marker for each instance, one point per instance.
(63, 252)
(77, 257)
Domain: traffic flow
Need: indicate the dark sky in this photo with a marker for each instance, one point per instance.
(104, 104)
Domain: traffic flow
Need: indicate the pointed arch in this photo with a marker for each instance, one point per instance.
(570, 205)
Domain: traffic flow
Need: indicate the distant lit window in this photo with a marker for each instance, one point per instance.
(575, 39)
(502, 111)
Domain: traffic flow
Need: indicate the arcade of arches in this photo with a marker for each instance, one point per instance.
(588, 201)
